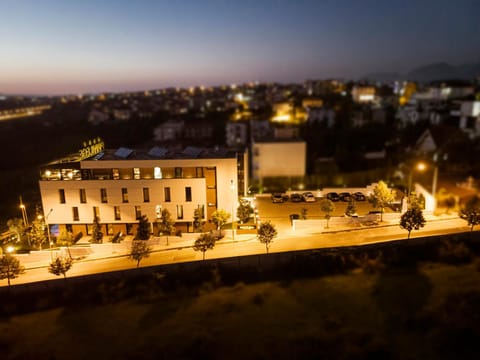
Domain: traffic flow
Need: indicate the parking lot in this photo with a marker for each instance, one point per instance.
(280, 212)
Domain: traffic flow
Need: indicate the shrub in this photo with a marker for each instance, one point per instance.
(454, 252)
(368, 264)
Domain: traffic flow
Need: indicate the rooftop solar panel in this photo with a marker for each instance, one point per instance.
(123, 152)
(158, 151)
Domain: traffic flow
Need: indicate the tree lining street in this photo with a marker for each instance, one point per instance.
(180, 248)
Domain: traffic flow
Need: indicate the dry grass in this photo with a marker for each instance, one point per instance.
(401, 315)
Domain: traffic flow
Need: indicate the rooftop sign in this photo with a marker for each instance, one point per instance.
(91, 148)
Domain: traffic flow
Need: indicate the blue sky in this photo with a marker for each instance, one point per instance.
(61, 46)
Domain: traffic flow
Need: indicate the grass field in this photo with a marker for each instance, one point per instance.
(429, 311)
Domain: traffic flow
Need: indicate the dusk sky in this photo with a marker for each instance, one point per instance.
(60, 46)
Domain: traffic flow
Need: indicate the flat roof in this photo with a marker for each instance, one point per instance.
(153, 153)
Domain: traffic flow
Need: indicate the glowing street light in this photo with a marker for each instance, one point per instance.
(232, 187)
(24, 213)
(421, 166)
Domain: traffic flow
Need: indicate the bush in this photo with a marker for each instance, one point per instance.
(454, 252)
(369, 264)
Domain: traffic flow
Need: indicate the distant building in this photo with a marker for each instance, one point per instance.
(169, 130)
(198, 130)
(122, 114)
(363, 94)
(96, 117)
(278, 157)
(470, 117)
(236, 133)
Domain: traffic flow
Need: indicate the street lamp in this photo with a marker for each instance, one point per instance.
(232, 187)
(24, 213)
(48, 229)
(421, 166)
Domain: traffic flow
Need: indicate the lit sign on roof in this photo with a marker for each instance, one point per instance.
(91, 148)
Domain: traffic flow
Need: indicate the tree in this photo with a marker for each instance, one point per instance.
(60, 266)
(10, 268)
(97, 234)
(381, 197)
(204, 242)
(446, 199)
(143, 231)
(327, 206)
(166, 223)
(351, 208)
(470, 212)
(220, 218)
(197, 220)
(412, 219)
(243, 212)
(139, 251)
(16, 225)
(37, 232)
(65, 238)
(266, 232)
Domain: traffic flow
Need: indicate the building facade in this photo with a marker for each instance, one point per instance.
(120, 186)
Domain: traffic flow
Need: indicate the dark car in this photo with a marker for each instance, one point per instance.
(358, 196)
(277, 198)
(345, 196)
(296, 197)
(333, 196)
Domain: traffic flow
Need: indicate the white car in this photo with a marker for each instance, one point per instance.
(308, 197)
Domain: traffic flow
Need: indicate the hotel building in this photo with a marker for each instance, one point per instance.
(120, 186)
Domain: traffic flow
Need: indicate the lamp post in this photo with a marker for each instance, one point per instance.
(421, 166)
(232, 187)
(48, 230)
(24, 213)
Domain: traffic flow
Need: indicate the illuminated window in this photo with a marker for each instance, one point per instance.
(115, 174)
(202, 211)
(157, 173)
(179, 211)
(199, 172)
(136, 173)
(188, 194)
(138, 212)
(124, 195)
(167, 194)
(61, 195)
(76, 217)
(83, 196)
(158, 211)
(146, 195)
(116, 210)
(103, 195)
(96, 212)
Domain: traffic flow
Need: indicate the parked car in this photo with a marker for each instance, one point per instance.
(345, 196)
(308, 197)
(358, 196)
(277, 198)
(333, 196)
(296, 197)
